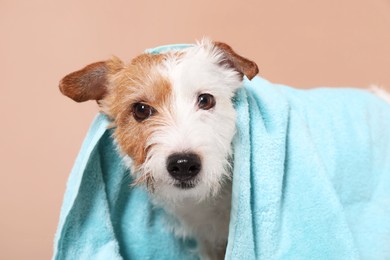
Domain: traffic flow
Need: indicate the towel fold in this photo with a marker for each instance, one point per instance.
(311, 180)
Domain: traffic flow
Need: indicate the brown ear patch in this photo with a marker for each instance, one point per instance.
(242, 65)
(91, 82)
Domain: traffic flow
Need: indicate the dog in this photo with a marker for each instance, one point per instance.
(174, 123)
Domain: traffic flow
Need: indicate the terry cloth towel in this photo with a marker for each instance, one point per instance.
(311, 180)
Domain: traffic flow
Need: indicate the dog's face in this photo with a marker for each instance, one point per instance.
(172, 112)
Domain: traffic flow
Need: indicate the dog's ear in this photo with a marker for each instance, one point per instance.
(91, 82)
(242, 65)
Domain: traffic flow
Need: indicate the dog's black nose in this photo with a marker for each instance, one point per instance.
(183, 166)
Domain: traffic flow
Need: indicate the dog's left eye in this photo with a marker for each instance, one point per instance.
(142, 111)
(206, 101)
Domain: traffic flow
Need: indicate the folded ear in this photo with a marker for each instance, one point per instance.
(91, 82)
(242, 65)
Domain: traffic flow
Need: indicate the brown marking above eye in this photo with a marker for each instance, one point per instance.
(206, 101)
(142, 111)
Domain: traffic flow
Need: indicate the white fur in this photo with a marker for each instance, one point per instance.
(207, 133)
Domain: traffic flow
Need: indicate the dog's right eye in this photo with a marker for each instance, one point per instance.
(142, 111)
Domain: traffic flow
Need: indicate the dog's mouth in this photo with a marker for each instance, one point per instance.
(185, 185)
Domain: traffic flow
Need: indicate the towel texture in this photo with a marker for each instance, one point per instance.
(311, 180)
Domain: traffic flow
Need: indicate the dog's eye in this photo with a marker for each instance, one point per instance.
(206, 101)
(142, 111)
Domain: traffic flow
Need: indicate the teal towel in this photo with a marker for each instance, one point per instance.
(311, 180)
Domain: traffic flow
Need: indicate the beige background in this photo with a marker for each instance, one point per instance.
(302, 43)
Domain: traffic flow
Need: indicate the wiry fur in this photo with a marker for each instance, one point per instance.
(208, 133)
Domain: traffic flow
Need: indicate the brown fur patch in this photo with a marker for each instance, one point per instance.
(91, 82)
(138, 82)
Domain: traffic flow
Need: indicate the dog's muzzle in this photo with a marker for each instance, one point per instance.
(184, 167)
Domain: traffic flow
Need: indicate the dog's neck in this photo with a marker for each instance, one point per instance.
(207, 221)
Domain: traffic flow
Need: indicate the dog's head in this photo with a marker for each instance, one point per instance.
(172, 112)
